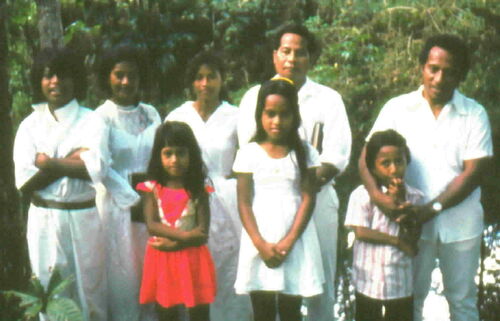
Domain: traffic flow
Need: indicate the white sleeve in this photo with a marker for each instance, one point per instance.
(479, 142)
(24, 155)
(123, 194)
(385, 119)
(243, 161)
(313, 158)
(95, 139)
(358, 210)
(337, 139)
(246, 116)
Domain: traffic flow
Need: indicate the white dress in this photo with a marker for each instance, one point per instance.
(323, 105)
(275, 203)
(130, 133)
(218, 142)
(73, 240)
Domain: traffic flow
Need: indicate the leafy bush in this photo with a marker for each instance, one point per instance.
(50, 302)
(369, 55)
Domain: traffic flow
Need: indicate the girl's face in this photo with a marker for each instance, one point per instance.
(57, 90)
(124, 83)
(390, 163)
(277, 118)
(175, 160)
(207, 83)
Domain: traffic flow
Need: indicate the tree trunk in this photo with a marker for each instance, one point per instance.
(49, 23)
(14, 271)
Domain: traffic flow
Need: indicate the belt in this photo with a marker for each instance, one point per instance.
(40, 202)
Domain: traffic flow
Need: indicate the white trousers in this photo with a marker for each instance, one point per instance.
(458, 262)
(74, 241)
(325, 217)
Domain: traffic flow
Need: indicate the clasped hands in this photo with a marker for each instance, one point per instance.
(274, 254)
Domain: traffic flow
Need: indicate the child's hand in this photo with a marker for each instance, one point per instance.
(197, 235)
(163, 244)
(284, 247)
(397, 190)
(269, 254)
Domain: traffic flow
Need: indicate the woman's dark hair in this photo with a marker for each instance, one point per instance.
(113, 56)
(454, 45)
(174, 133)
(62, 62)
(313, 45)
(289, 92)
(214, 62)
(380, 139)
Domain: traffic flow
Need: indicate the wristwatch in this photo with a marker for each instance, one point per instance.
(437, 207)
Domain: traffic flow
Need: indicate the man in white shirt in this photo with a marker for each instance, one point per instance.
(449, 137)
(320, 107)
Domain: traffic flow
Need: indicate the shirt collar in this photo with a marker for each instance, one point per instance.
(64, 113)
(306, 88)
(455, 103)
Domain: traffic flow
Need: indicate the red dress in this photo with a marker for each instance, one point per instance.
(185, 276)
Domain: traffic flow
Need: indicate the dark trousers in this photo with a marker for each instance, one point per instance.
(369, 309)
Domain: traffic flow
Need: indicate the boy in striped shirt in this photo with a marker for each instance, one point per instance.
(384, 247)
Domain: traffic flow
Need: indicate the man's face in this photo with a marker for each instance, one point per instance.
(291, 59)
(440, 76)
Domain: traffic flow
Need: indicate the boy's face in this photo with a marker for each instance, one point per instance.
(390, 163)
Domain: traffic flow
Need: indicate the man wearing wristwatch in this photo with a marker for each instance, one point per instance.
(449, 137)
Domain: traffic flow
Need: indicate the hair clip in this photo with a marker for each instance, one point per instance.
(284, 79)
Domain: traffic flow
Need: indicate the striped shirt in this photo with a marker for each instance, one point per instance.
(379, 271)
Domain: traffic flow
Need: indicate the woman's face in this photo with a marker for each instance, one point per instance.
(124, 83)
(207, 83)
(56, 89)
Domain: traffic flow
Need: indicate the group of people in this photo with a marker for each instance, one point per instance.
(226, 213)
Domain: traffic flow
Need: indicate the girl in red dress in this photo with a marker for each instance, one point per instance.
(178, 268)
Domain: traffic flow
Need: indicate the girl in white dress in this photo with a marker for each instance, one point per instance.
(279, 261)
(131, 127)
(213, 121)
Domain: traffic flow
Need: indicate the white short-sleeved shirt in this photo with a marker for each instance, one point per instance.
(438, 149)
(379, 271)
(76, 127)
(217, 136)
(276, 200)
(318, 104)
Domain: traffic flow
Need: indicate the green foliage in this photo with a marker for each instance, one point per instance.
(36, 300)
(370, 51)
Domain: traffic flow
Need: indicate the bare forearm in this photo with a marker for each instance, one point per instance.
(159, 229)
(302, 218)
(250, 225)
(367, 178)
(204, 214)
(74, 168)
(325, 173)
(376, 237)
(39, 181)
(464, 184)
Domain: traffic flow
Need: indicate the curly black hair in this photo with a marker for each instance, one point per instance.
(63, 62)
